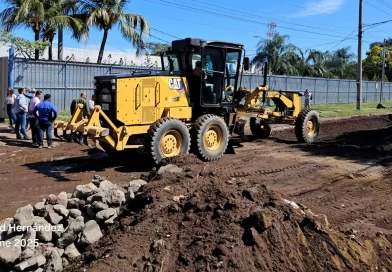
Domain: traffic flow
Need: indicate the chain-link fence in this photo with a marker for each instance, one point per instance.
(65, 81)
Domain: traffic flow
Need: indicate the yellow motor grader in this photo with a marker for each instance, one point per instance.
(193, 104)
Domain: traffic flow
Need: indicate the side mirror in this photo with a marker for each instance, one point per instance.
(246, 64)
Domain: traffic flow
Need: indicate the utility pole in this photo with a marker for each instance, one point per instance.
(384, 52)
(359, 72)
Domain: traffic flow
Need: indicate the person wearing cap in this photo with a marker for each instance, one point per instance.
(32, 120)
(46, 113)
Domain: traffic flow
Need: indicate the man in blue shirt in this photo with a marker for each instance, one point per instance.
(47, 113)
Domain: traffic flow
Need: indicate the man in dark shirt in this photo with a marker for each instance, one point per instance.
(80, 100)
(47, 113)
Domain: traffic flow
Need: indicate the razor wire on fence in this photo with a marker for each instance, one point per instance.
(66, 80)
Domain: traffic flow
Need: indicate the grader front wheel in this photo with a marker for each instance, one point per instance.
(307, 126)
(169, 137)
(210, 137)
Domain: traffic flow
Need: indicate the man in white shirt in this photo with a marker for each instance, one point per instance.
(21, 108)
(33, 122)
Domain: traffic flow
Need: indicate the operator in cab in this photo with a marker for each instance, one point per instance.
(200, 76)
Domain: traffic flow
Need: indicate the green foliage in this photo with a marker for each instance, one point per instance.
(155, 49)
(372, 65)
(106, 14)
(285, 58)
(22, 46)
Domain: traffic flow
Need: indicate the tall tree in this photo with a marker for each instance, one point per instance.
(156, 48)
(105, 14)
(34, 14)
(283, 58)
(59, 9)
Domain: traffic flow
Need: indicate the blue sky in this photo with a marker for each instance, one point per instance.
(318, 24)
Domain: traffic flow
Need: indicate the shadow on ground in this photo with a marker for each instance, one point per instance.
(94, 160)
(365, 147)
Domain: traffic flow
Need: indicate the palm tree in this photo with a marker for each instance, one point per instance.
(59, 9)
(34, 14)
(105, 14)
(316, 62)
(283, 58)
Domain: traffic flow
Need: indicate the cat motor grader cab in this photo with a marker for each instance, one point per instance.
(195, 102)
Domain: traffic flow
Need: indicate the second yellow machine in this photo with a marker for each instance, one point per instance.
(195, 103)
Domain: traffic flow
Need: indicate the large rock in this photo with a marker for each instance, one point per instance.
(61, 210)
(73, 203)
(99, 206)
(106, 185)
(30, 238)
(71, 251)
(135, 185)
(62, 199)
(44, 229)
(75, 213)
(169, 168)
(11, 250)
(97, 180)
(112, 197)
(106, 214)
(54, 218)
(33, 262)
(71, 232)
(59, 230)
(84, 191)
(52, 199)
(39, 207)
(91, 233)
(55, 262)
(24, 216)
(4, 226)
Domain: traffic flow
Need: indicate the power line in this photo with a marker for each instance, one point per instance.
(177, 5)
(223, 27)
(268, 18)
(344, 39)
(382, 2)
(165, 33)
(366, 2)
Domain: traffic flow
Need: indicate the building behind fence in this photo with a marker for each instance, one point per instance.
(66, 80)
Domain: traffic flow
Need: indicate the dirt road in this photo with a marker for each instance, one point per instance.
(345, 175)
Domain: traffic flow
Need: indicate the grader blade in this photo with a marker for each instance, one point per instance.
(75, 125)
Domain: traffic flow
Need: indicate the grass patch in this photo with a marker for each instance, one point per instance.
(64, 116)
(335, 110)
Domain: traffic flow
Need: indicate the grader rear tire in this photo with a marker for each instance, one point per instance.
(307, 126)
(168, 137)
(259, 129)
(210, 137)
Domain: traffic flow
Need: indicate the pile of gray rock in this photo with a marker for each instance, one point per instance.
(55, 231)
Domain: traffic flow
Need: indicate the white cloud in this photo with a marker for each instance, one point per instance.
(320, 7)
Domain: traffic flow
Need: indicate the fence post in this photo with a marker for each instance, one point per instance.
(349, 90)
(65, 85)
(287, 79)
(314, 90)
(339, 91)
(326, 96)
(11, 65)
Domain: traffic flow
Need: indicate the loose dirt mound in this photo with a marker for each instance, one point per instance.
(193, 221)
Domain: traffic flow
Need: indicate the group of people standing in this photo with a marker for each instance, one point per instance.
(26, 108)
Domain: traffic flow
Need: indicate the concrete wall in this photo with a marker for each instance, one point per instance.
(81, 55)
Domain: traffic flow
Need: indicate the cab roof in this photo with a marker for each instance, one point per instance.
(192, 43)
